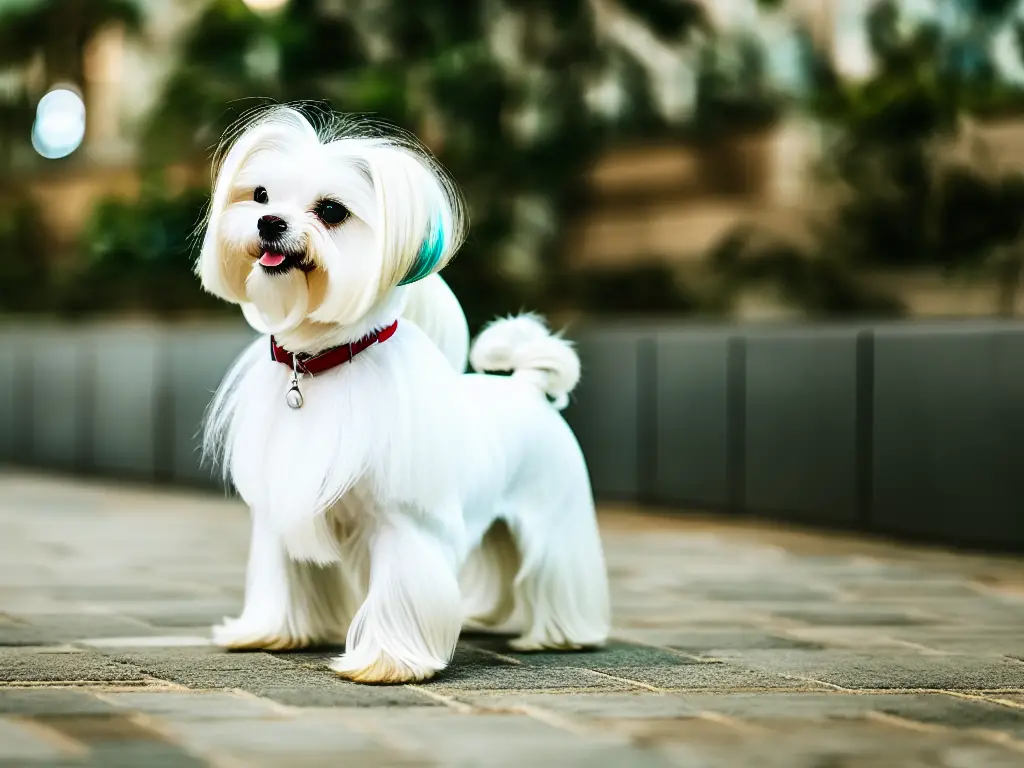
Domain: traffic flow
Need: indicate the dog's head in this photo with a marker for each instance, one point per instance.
(309, 224)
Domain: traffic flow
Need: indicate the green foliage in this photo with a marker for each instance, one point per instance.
(733, 92)
(977, 214)
(511, 121)
(925, 79)
(24, 271)
(17, 112)
(899, 206)
(55, 33)
(61, 28)
(650, 289)
(820, 284)
(906, 210)
(670, 20)
(232, 60)
(137, 255)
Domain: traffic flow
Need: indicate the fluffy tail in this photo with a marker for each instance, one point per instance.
(524, 347)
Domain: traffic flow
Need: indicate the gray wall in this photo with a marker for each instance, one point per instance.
(119, 400)
(907, 429)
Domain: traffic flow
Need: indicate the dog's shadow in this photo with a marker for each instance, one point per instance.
(478, 650)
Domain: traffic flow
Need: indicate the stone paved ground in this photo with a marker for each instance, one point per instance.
(735, 646)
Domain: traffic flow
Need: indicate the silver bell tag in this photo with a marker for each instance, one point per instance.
(293, 396)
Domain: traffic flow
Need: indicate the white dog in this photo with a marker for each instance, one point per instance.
(377, 476)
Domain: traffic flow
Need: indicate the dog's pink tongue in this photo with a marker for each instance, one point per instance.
(271, 259)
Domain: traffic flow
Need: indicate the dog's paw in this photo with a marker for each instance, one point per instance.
(237, 635)
(532, 645)
(384, 669)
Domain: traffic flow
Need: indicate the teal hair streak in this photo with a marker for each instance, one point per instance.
(429, 255)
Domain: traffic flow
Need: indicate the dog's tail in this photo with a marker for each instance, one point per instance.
(524, 347)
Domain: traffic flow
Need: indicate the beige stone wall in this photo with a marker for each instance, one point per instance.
(672, 203)
(78, 192)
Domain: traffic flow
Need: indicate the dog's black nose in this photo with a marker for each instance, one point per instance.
(271, 227)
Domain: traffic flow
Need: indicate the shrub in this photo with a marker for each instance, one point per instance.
(137, 255)
(24, 271)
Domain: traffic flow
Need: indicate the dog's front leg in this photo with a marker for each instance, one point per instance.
(406, 629)
(288, 604)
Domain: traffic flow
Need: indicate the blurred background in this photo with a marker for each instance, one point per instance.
(786, 234)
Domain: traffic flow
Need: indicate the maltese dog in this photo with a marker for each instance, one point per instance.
(394, 499)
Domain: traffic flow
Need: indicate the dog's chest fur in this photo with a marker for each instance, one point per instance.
(384, 427)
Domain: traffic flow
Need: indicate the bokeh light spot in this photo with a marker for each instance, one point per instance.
(59, 127)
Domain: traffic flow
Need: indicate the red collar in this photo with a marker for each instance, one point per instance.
(332, 357)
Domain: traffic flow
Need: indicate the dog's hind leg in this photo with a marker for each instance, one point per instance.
(488, 598)
(562, 585)
(288, 604)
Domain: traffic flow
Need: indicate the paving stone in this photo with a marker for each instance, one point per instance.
(118, 740)
(267, 675)
(297, 743)
(182, 705)
(998, 641)
(862, 569)
(814, 744)
(153, 641)
(473, 669)
(932, 708)
(317, 657)
(182, 613)
(48, 629)
(858, 670)
(688, 615)
(98, 728)
(871, 639)
(25, 634)
(855, 615)
(614, 654)
(770, 615)
(20, 741)
(709, 676)
(113, 593)
(686, 741)
(644, 704)
(201, 667)
(338, 693)
(519, 678)
(978, 611)
(502, 740)
(1016, 699)
(979, 756)
(29, 664)
(49, 701)
(901, 591)
(134, 754)
(753, 591)
(707, 642)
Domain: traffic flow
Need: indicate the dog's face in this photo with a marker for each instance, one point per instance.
(311, 227)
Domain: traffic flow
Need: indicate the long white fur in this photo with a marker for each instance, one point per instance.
(404, 498)
(524, 345)
(434, 308)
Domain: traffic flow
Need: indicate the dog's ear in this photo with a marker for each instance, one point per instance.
(422, 214)
(221, 271)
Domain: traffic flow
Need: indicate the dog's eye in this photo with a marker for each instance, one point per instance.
(260, 195)
(331, 212)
